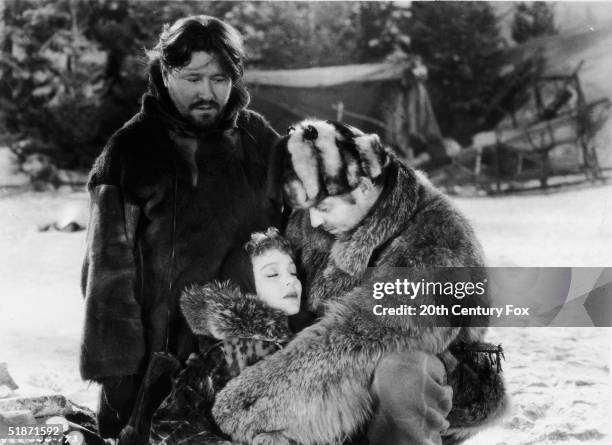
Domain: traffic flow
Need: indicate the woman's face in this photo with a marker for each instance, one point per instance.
(276, 281)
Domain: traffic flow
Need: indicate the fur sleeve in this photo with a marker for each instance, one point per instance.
(113, 341)
(222, 311)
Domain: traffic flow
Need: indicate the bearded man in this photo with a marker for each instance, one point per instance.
(173, 190)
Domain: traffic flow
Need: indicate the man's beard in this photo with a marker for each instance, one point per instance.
(207, 120)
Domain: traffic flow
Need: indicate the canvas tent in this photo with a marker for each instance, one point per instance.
(385, 98)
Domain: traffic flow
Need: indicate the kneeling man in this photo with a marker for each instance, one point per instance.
(355, 207)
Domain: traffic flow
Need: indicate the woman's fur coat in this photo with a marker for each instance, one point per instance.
(234, 330)
(316, 389)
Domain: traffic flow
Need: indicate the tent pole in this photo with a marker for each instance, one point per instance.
(339, 111)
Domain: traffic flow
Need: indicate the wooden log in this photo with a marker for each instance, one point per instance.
(51, 405)
(16, 418)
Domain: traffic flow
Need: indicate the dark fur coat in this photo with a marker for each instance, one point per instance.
(316, 390)
(235, 331)
(168, 202)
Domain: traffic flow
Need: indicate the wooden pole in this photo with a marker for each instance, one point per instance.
(75, 34)
(339, 111)
(2, 25)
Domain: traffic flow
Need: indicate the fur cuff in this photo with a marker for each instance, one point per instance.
(222, 311)
(479, 395)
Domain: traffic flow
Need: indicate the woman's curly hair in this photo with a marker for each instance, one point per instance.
(261, 242)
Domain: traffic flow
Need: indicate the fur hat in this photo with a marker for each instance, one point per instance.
(327, 158)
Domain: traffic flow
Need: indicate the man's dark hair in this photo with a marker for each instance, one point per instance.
(180, 40)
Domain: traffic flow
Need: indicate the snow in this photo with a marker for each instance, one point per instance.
(41, 310)
(558, 378)
(10, 176)
(555, 228)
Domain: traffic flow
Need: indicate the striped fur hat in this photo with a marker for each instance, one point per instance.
(326, 158)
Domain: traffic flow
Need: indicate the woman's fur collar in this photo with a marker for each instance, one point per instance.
(221, 310)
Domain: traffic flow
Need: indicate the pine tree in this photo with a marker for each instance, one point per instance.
(537, 19)
(461, 45)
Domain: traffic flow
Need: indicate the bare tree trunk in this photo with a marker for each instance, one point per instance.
(75, 34)
(2, 25)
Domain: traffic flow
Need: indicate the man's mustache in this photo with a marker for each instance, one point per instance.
(204, 103)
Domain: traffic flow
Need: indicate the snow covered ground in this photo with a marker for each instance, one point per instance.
(558, 378)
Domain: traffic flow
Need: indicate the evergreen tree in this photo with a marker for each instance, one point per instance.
(461, 45)
(537, 19)
(286, 35)
(73, 71)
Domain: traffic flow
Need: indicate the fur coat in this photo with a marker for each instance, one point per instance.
(316, 390)
(235, 331)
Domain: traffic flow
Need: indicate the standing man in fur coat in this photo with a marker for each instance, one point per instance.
(173, 190)
(357, 207)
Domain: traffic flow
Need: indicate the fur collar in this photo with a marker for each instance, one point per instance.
(221, 310)
(386, 219)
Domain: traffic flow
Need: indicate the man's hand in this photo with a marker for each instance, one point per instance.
(411, 398)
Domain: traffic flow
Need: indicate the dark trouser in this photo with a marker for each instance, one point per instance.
(411, 400)
(117, 397)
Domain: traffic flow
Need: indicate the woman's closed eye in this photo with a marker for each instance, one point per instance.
(270, 271)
